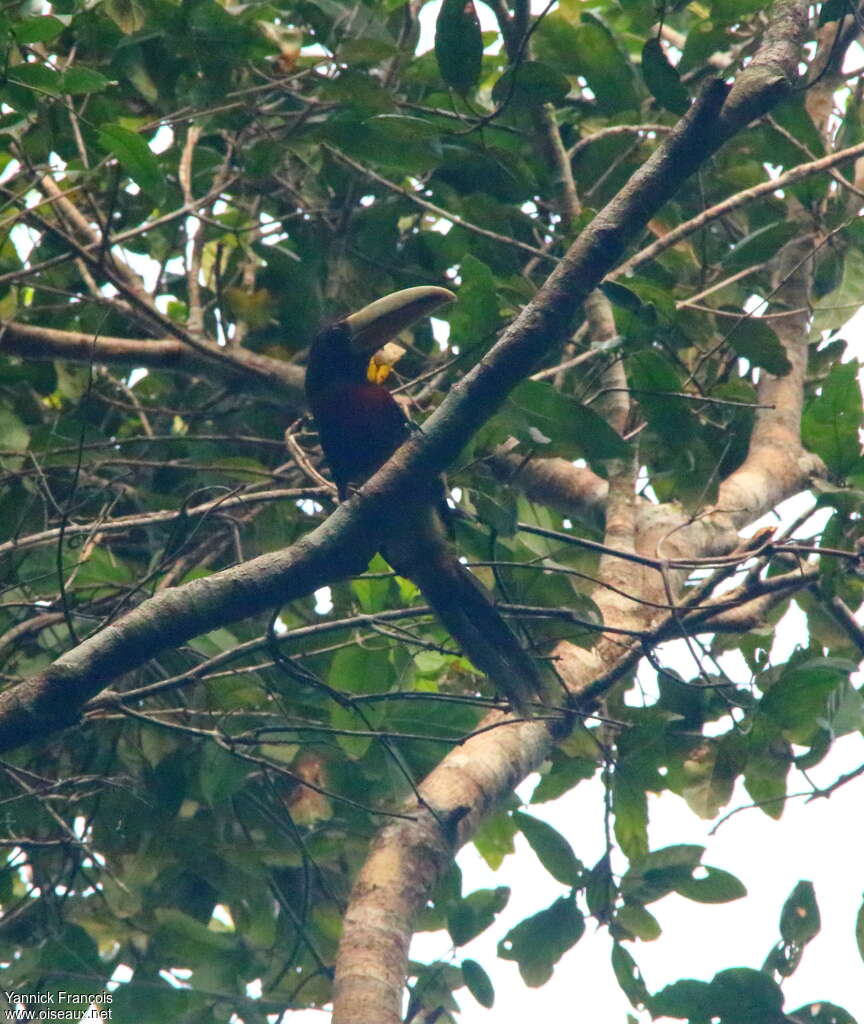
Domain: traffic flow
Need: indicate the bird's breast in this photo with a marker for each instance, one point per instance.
(360, 426)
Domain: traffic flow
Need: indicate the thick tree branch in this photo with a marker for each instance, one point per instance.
(53, 700)
(776, 462)
(250, 369)
(554, 482)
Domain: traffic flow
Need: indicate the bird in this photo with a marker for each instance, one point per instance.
(360, 425)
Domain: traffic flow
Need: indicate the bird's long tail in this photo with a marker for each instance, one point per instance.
(465, 608)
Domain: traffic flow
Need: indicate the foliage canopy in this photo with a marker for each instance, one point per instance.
(188, 190)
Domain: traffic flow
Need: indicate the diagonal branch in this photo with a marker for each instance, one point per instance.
(439, 211)
(250, 369)
(122, 524)
(735, 202)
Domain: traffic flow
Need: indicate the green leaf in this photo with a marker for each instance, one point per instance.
(39, 77)
(660, 872)
(475, 318)
(221, 774)
(38, 29)
(703, 40)
(726, 11)
(473, 914)
(641, 16)
(768, 764)
(638, 921)
(355, 51)
(489, 176)
(373, 593)
(754, 340)
(622, 296)
(821, 1013)
(800, 920)
(459, 44)
(657, 304)
(478, 983)
(494, 839)
(531, 83)
(600, 892)
(834, 309)
(552, 849)
(539, 942)
(148, 1001)
(135, 157)
(710, 779)
(128, 15)
(77, 81)
(591, 50)
(343, 717)
(630, 807)
(217, 641)
(688, 998)
(742, 994)
(717, 886)
(760, 246)
(833, 10)
(651, 374)
(681, 855)
(562, 776)
(388, 140)
(629, 977)
(859, 930)
(73, 942)
(606, 66)
(188, 940)
(358, 669)
(362, 96)
(797, 701)
(405, 128)
(14, 434)
(662, 79)
(833, 419)
(558, 424)
(499, 512)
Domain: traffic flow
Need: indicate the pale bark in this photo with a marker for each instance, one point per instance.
(571, 490)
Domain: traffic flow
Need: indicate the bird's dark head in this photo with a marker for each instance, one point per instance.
(341, 352)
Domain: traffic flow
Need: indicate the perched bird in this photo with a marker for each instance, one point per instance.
(360, 425)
